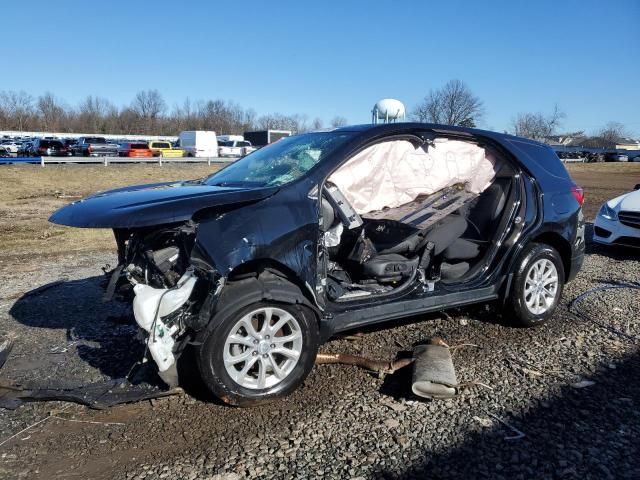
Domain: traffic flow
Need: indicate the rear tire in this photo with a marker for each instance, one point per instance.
(245, 363)
(537, 286)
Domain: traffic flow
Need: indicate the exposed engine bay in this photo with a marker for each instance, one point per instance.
(166, 304)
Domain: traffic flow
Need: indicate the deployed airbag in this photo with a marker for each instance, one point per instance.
(394, 173)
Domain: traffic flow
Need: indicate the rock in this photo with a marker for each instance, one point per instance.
(392, 423)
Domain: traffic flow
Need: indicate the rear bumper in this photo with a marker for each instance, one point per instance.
(576, 264)
(169, 154)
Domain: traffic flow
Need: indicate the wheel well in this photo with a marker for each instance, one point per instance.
(257, 266)
(561, 244)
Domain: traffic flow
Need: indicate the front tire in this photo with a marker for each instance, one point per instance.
(537, 286)
(258, 353)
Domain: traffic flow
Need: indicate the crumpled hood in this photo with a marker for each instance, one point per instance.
(151, 204)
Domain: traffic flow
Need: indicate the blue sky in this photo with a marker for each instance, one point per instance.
(327, 58)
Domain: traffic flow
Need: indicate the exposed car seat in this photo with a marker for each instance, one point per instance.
(462, 249)
(487, 208)
(401, 260)
(482, 217)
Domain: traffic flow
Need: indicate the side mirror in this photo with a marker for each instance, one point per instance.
(637, 187)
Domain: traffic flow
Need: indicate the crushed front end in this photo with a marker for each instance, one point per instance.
(172, 292)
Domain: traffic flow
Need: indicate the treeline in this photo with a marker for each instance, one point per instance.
(148, 113)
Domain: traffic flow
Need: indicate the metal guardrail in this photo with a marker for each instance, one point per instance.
(43, 161)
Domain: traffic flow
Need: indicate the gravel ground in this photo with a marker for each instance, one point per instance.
(344, 422)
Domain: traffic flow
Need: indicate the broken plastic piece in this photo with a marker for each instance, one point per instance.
(151, 305)
(98, 395)
(6, 344)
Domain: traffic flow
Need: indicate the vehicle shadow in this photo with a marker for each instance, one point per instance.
(587, 432)
(102, 334)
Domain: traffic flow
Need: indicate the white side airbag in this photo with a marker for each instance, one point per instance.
(394, 173)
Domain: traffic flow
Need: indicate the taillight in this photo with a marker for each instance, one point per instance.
(578, 194)
(89, 149)
(42, 149)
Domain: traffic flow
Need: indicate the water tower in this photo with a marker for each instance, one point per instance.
(388, 110)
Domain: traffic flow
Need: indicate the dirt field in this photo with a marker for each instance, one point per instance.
(30, 193)
(603, 181)
(344, 422)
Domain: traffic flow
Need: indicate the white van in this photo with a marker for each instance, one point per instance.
(199, 143)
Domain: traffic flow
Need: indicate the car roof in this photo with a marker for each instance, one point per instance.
(398, 127)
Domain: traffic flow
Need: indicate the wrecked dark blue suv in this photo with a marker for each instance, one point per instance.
(318, 233)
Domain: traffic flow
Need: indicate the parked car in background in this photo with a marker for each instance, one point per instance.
(165, 149)
(23, 148)
(616, 157)
(94, 147)
(4, 153)
(134, 149)
(11, 146)
(46, 148)
(199, 143)
(618, 221)
(234, 148)
(70, 143)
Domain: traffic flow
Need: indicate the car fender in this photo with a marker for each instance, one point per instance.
(269, 285)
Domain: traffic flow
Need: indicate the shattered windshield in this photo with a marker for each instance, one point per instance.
(279, 163)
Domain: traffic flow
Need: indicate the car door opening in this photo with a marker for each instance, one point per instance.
(401, 211)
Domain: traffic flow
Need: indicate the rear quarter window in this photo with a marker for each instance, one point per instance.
(544, 157)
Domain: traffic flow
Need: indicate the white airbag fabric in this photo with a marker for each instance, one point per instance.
(394, 173)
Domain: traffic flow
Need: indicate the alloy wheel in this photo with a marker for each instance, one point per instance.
(263, 348)
(541, 286)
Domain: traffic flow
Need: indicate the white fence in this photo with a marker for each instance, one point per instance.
(159, 160)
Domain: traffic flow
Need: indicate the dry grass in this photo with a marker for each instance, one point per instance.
(603, 181)
(29, 194)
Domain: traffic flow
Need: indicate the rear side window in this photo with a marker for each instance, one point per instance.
(545, 157)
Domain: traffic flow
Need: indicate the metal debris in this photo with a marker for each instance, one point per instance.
(379, 366)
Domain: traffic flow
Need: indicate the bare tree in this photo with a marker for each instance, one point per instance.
(146, 114)
(149, 106)
(612, 132)
(51, 112)
(18, 110)
(277, 121)
(453, 104)
(96, 115)
(338, 121)
(537, 126)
